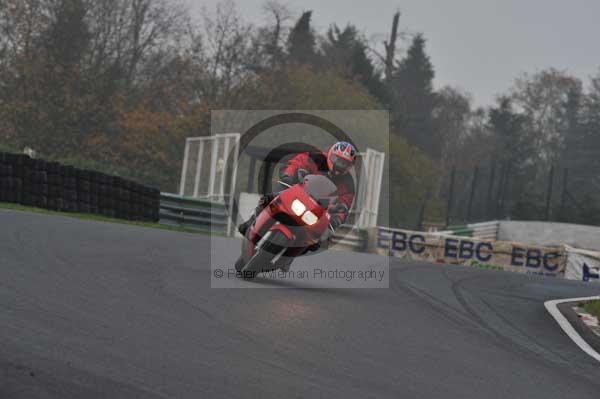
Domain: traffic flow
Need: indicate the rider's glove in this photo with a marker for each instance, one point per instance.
(335, 221)
(289, 180)
(339, 208)
(264, 201)
(301, 174)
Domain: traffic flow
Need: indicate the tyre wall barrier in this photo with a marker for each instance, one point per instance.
(64, 188)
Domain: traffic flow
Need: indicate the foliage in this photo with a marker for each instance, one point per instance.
(593, 307)
(548, 101)
(413, 182)
(302, 41)
(346, 52)
(118, 85)
(300, 87)
(451, 117)
(413, 98)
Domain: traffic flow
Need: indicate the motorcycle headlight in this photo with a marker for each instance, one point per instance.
(298, 207)
(310, 218)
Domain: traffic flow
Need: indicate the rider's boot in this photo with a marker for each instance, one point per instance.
(287, 265)
(262, 203)
(243, 228)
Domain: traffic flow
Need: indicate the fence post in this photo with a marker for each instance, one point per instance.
(251, 172)
(563, 197)
(450, 195)
(501, 187)
(490, 190)
(421, 216)
(419, 225)
(472, 194)
(549, 193)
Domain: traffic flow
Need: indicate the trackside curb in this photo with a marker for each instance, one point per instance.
(552, 307)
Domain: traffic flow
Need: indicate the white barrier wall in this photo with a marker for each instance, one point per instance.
(582, 265)
(550, 234)
(524, 247)
(483, 231)
(430, 247)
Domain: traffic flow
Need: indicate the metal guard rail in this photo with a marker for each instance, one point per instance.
(192, 213)
(211, 217)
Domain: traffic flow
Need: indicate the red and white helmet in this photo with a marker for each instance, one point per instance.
(341, 157)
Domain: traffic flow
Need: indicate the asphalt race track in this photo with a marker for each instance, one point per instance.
(96, 310)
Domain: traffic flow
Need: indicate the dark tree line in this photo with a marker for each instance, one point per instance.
(119, 84)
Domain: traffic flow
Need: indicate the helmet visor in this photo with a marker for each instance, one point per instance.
(340, 164)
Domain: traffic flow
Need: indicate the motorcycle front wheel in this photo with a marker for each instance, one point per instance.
(266, 258)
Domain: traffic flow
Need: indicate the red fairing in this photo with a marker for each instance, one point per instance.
(317, 164)
(285, 230)
(298, 233)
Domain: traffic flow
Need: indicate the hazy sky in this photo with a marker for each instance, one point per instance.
(478, 45)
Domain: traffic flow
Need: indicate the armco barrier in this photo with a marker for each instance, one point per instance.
(208, 216)
(349, 238)
(438, 248)
(50, 185)
(191, 213)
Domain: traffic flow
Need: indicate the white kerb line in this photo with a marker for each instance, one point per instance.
(552, 307)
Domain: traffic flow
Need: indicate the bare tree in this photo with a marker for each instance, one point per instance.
(221, 60)
(451, 115)
(125, 34)
(542, 98)
(390, 48)
(272, 37)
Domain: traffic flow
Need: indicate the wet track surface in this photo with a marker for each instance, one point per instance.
(101, 310)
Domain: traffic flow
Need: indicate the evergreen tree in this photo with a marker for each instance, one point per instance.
(586, 145)
(301, 41)
(413, 98)
(68, 35)
(508, 128)
(573, 129)
(513, 155)
(346, 51)
(452, 115)
(63, 46)
(582, 157)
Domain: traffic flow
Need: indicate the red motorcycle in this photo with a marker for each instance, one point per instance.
(295, 220)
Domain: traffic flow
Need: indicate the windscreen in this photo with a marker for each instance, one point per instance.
(321, 188)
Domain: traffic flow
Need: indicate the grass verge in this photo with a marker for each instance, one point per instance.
(593, 307)
(98, 218)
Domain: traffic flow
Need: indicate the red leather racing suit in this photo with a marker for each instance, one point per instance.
(316, 163)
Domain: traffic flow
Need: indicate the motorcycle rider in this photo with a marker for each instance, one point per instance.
(336, 163)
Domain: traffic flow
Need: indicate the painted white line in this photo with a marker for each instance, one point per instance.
(552, 307)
